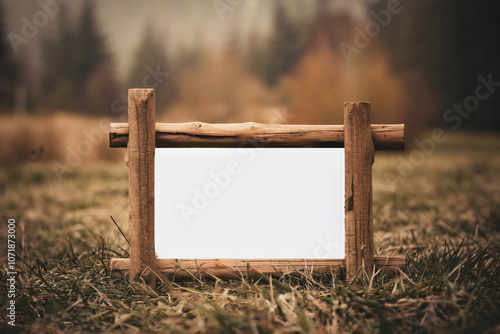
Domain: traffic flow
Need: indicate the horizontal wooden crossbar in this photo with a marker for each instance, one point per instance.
(237, 268)
(196, 134)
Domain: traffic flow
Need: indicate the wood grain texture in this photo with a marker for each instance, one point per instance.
(244, 268)
(385, 136)
(141, 155)
(359, 155)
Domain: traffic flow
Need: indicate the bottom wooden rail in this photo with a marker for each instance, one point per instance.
(237, 268)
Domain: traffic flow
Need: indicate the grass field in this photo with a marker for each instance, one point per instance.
(445, 217)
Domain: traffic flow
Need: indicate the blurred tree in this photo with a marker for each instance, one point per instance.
(95, 79)
(186, 57)
(91, 45)
(283, 51)
(60, 63)
(78, 70)
(7, 68)
(151, 69)
(451, 43)
(258, 55)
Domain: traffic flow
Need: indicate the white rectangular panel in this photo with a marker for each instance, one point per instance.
(248, 203)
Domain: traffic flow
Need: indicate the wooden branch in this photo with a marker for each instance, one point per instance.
(141, 155)
(359, 154)
(237, 268)
(257, 135)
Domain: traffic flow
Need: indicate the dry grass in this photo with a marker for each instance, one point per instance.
(445, 217)
(48, 138)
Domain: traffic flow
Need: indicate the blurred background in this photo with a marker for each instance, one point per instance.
(66, 66)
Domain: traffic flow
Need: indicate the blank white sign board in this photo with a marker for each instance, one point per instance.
(245, 203)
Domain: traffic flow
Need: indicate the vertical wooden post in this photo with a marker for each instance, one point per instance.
(141, 156)
(359, 155)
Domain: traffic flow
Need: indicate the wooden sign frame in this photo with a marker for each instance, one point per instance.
(141, 135)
